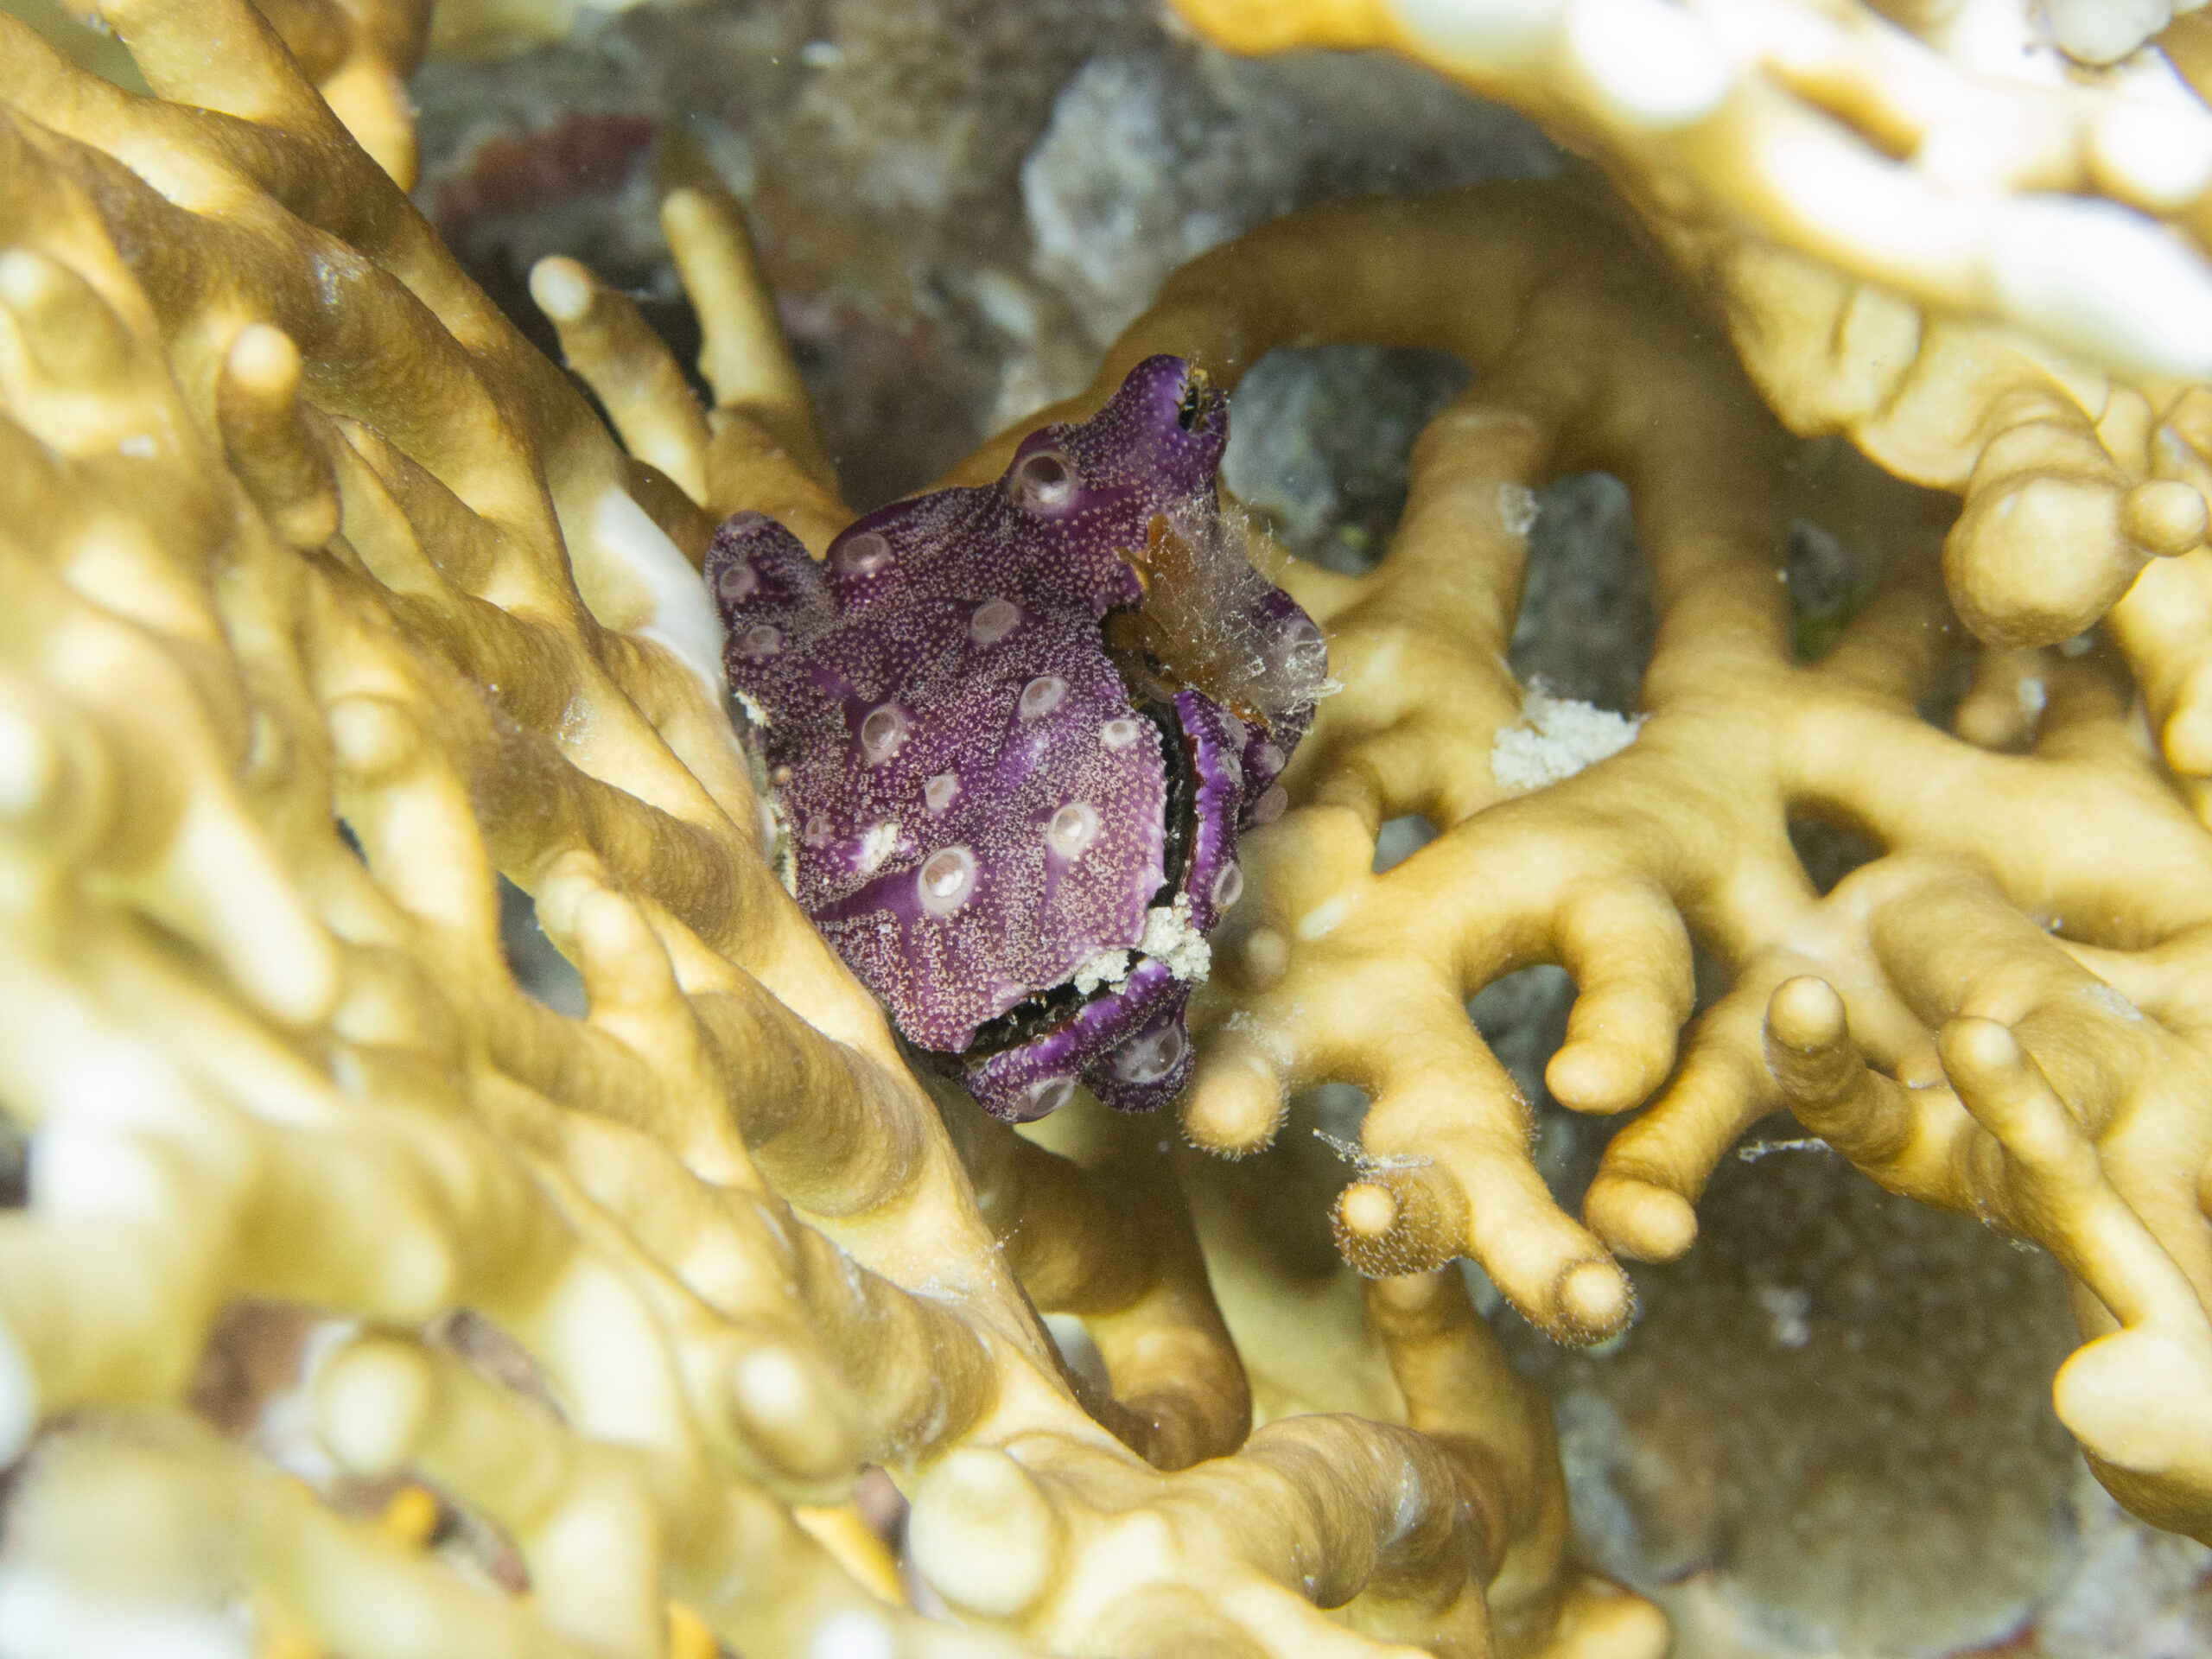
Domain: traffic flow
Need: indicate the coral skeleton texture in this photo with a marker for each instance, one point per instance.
(362, 1305)
(1928, 227)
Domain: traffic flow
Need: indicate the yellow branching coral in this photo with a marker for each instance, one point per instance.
(328, 600)
(2018, 959)
(1927, 228)
(359, 54)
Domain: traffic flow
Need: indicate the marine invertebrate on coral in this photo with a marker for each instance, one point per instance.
(330, 600)
(1014, 730)
(1982, 262)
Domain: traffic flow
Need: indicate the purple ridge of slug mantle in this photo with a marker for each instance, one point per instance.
(1013, 732)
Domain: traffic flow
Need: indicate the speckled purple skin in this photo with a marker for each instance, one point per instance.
(978, 809)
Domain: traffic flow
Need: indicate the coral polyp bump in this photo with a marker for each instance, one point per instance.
(1013, 732)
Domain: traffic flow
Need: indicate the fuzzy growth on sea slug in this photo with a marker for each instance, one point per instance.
(1013, 732)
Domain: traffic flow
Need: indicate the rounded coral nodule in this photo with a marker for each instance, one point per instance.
(1011, 698)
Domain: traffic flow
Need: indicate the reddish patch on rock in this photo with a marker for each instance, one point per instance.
(581, 154)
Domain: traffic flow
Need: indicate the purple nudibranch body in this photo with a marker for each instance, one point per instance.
(1013, 732)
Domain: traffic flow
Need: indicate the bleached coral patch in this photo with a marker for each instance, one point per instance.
(1517, 508)
(1557, 738)
(679, 614)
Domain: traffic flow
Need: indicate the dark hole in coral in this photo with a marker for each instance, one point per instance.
(1319, 439)
(1400, 839)
(15, 1165)
(1954, 679)
(353, 842)
(1523, 1019)
(498, 1355)
(1829, 578)
(538, 965)
(1828, 852)
(1292, 1188)
(257, 1353)
(1587, 619)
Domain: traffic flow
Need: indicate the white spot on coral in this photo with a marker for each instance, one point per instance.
(1655, 66)
(1786, 1310)
(2096, 275)
(29, 767)
(819, 831)
(1271, 805)
(1266, 956)
(139, 446)
(1559, 736)
(1517, 508)
(1119, 733)
(678, 614)
(762, 640)
(2116, 1001)
(945, 881)
(1170, 938)
(1321, 921)
(938, 793)
(2163, 151)
(2034, 695)
(853, 1633)
(1042, 695)
(43, 1616)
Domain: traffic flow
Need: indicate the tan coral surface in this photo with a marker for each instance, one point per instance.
(1931, 229)
(329, 601)
(2032, 922)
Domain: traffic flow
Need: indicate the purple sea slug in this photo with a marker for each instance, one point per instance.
(1013, 733)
